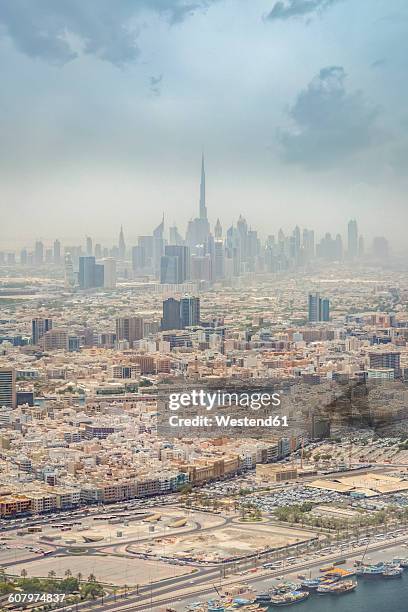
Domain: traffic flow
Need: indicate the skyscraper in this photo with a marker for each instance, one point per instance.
(314, 308)
(158, 245)
(87, 272)
(39, 327)
(57, 251)
(318, 308)
(169, 270)
(109, 273)
(182, 272)
(198, 229)
(218, 230)
(8, 395)
(129, 328)
(380, 247)
(69, 271)
(138, 258)
(122, 244)
(219, 257)
(89, 247)
(352, 239)
(171, 314)
(189, 311)
(38, 253)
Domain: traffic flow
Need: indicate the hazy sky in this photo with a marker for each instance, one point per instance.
(105, 105)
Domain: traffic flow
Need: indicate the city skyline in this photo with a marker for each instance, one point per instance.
(199, 228)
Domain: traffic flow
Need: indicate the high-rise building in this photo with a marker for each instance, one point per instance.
(385, 360)
(169, 269)
(39, 327)
(99, 275)
(138, 259)
(219, 257)
(91, 274)
(218, 230)
(201, 268)
(8, 395)
(325, 310)
(380, 247)
(55, 340)
(361, 247)
(89, 247)
(171, 314)
(109, 273)
(38, 253)
(314, 308)
(175, 271)
(189, 311)
(158, 246)
(23, 257)
(175, 236)
(352, 239)
(318, 308)
(199, 228)
(69, 271)
(57, 251)
(129, 328)
(122, 244)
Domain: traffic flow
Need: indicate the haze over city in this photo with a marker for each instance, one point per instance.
(105, 118)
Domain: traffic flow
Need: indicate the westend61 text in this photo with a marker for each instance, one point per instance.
(228, 421)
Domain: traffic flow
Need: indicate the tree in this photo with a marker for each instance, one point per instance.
(51, 574)
(23, 573)
(91, 590)
(68, 573)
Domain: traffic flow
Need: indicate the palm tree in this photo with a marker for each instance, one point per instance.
(51, 574)
(79, 576)
(91, 578)
(68, 573)
(23, 573)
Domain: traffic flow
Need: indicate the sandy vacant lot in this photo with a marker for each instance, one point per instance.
(225, 542)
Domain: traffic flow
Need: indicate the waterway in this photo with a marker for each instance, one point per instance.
(371, 595)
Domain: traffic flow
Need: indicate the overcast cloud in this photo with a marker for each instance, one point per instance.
(105, 107)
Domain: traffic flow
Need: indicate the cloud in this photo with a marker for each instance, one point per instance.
(328, 124)
(57, 31)
(286, 9)
(379, 63)
(155, 85)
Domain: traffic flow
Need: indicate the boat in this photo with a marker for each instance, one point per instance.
(287, 599)
(393, 572)
(337, 588)
(326, 568)
(311, 584)
(263, 598)
(286, 587)
(404, 562)
(370, 571)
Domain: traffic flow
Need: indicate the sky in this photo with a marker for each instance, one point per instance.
(300, 107)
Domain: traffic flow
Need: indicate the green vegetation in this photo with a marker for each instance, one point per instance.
(71, 585)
